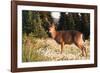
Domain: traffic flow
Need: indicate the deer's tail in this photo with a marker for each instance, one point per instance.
(83, 37)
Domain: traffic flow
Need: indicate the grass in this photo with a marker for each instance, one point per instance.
(36, 49)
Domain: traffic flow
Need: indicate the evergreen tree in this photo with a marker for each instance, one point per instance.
(33, 22)
(62, 22)
(77, 20)
(85, 17)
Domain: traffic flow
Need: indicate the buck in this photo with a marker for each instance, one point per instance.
(68, 37)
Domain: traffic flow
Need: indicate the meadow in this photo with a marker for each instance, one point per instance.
(46, 49)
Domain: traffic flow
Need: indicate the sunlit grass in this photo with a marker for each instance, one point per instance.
(36, 49)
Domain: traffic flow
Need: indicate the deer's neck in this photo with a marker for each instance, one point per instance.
(53, 34)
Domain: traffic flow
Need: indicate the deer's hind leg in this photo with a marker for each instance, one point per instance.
(83, 49)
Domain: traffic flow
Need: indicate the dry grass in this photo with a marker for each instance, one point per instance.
(35, 49)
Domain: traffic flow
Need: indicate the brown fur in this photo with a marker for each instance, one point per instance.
(68, 37)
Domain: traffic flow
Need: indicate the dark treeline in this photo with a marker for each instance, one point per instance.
(75, 21)
(34, 22)
(37, 23)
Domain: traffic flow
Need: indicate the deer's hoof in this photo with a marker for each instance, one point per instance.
(83, 55)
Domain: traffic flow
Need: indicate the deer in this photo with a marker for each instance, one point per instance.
(67, 37)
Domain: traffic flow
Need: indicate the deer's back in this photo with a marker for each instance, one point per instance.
(68, 37)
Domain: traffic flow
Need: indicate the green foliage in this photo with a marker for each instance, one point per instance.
(85, 17)
(35, 22)
(75, 21)
(62, 22)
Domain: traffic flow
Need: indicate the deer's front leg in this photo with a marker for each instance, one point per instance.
(62, 45)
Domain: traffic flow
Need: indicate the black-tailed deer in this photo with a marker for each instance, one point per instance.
(68, 37)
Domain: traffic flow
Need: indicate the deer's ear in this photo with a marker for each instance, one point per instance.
(53, 25)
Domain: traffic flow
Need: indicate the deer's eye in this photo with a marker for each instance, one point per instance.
(49, 28)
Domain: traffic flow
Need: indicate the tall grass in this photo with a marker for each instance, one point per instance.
(39, 49)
